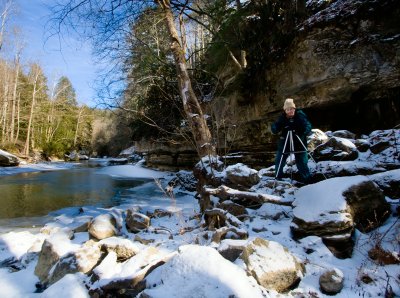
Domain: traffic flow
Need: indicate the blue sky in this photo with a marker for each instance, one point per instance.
(58, 55)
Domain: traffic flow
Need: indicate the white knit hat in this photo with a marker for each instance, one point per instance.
(289, 104)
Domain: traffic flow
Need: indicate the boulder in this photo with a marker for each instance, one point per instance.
(362, 145)
(316, 138)
(200, 271)
(117, 161)
(233, 208)
(389, 182)
(272, 265)
(52, 250)
(157, 213)
(324, 213)
(231, 249)
(331, 282)
(241, 175)
(344, 134)
(8, 160)
(337, 206)
(273, 211)
(103, 226)
(112, 278)
(136, 222)
(207, 171)
(368, 206)
(123, 248)
(184, 179)
(82, 260)
(336, 149)
(75, 156)
(50, 229)
(380, 146)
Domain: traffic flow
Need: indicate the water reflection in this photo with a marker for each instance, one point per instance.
(36, 194)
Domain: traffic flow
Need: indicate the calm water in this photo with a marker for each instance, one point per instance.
(29, 195)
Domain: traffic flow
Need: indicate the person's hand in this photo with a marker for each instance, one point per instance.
(289, 127)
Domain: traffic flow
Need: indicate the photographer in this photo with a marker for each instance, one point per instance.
(297, 122)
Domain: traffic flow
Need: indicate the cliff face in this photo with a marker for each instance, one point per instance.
(343, 69)
(347, 58)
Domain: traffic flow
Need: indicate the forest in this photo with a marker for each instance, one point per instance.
(40, 116)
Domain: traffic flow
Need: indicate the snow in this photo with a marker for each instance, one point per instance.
(17, 244)
(309, 206)
(346, 142)
(131, 171)
(40, 167)
(5, 153)
(69, 286)
(128, 151)
(195, 267)
(199, 271)
(241, 170)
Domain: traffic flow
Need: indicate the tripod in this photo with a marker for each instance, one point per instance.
(289, 143)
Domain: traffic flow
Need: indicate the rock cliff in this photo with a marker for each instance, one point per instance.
(342, 68)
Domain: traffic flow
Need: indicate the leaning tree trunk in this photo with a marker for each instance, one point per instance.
(191, 105)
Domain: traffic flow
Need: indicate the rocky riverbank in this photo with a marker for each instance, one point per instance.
(264, 237)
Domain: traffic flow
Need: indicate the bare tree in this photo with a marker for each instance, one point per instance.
(78, 121)
(17, 70)
(4, 17)
(111, 21)
(38, 85)
(191, 105)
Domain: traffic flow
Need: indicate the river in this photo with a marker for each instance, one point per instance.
(31, 198)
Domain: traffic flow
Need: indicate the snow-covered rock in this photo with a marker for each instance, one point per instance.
(231, 249)
(81, 260)
(362, 145)
(115, 277)
(389, 182)
(103, 226)
(71, 285)
(8, 159)
(316, 138)
(241, 175)
(331, 281)
(199, 271)
(117, 161)
(136, 222)
(344, 134)
(233, 208)
(336, 149)
(123, 248)
(385, 147)
(208, 170)
(272, 265)
(336, 207)
(75, 156)
(324, 213)
(53, 249)
(185, 180)
(367, 205)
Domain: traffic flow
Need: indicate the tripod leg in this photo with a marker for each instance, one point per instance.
(305, 148)
(282, 153)
(309, 154)
(290, 154)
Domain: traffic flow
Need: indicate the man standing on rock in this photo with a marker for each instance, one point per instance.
(294, 128)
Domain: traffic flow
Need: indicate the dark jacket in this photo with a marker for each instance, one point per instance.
(299, 124)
